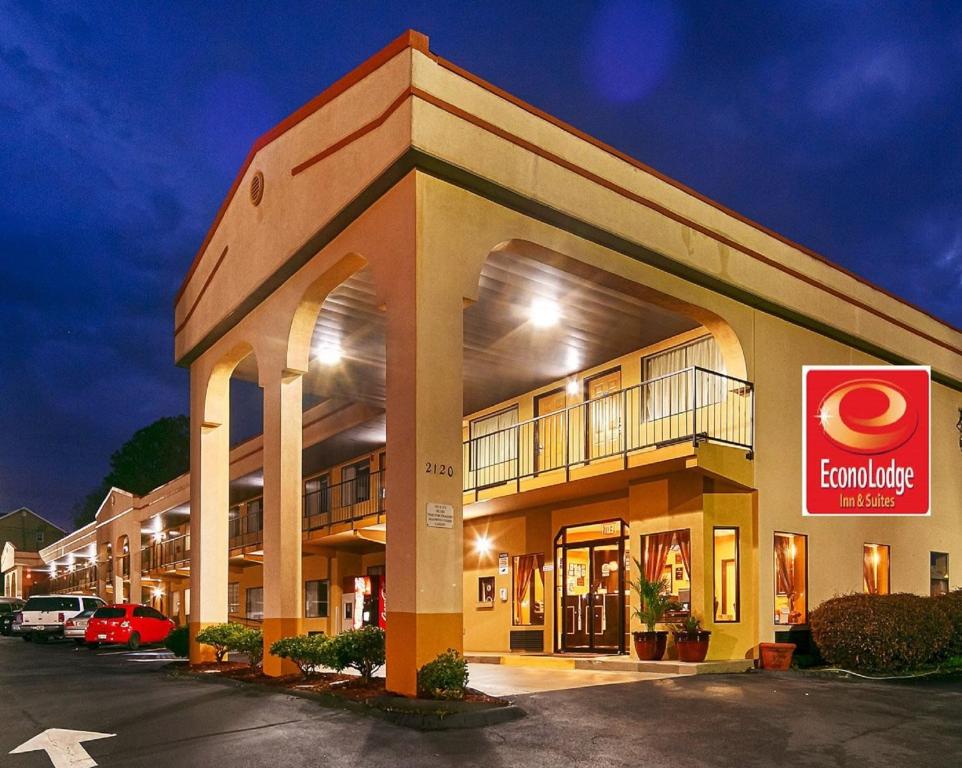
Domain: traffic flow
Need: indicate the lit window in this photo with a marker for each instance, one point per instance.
(255, 603)
(726, 574)
(667, 556)
(791, 578)
(528, 591)
(876, 569)
(233, 598)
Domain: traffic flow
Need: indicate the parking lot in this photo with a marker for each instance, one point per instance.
(743, 720)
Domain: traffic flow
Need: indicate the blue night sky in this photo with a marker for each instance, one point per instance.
(122, 126)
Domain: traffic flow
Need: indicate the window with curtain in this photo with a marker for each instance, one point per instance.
(528, 590)
(494, 447)
(356, 483)
(254, 603)
(725, 564)
(233, 597)
(674, 394)
(875, 569)
(667, 556)
(315, 599)
(791, 578)
(316, 496)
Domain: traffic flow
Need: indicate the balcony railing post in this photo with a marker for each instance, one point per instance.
(694, 407)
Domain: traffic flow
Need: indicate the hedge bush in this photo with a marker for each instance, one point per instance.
(444, 678)
(221, 637)
(308, 652)
(881, 633)
(359, 649)
(250, 642)
(178, 642)
(951, 607)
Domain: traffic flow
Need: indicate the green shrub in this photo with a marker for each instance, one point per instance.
(444, 678)
(221, 637)
(951, 607)
(880, 633)
(250, 642)
(178, 642)
(308, 652)
(359, 649)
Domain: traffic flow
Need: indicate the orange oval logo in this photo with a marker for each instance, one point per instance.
(867, 416)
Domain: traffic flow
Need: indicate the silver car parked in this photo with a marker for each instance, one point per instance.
(75, 628)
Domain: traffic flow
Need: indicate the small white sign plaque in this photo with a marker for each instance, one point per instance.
(440, 515)
(503, 564)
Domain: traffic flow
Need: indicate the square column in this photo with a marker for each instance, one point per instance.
(424, 413)
(209, 503)
(283, 587)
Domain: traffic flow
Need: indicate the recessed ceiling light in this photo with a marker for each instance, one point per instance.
(544, 313)
(328, 354)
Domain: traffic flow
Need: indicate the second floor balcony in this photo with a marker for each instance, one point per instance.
(692, 405)
(80, 579)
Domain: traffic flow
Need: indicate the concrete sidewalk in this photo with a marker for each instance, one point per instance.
(503, 680)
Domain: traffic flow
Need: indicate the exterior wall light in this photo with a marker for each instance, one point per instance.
(329, 354)
(482, 545)
(572, 387)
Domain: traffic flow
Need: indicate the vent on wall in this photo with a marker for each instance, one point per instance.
(257, 188)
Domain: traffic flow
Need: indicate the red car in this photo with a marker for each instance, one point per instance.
(127, 624)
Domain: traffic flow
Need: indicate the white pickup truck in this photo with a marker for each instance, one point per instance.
(44, 615)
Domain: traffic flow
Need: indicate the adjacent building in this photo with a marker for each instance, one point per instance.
(505, 369)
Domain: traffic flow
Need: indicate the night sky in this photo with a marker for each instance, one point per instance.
(122, 127)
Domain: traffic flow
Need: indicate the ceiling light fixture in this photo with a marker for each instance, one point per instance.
(329, 354)
(544, 313)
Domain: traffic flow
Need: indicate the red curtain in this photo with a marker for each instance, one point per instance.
(683, 540)
(784, 567)
(522, 580)
(868, 570)
(656, 550)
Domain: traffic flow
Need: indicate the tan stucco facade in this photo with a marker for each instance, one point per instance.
(415, 173)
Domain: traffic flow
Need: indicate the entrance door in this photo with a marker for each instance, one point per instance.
(549, 431)
(604, 414)
(591, 588)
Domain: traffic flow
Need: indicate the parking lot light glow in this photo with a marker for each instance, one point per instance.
(544, 313)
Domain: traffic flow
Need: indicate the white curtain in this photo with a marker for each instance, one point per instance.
(674, 394)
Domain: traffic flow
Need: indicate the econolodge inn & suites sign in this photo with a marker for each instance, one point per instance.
(865, 440)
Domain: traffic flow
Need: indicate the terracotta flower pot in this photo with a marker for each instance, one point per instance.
(650, 646)
(776, 655)
(692, 646)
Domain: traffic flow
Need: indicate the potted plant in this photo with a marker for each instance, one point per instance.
(691, 640)
(653, 601)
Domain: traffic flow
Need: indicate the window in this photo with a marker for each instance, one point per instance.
(791, 578)
(233, 598)
(494, 447)
(92, 603)
(673, 394)
(255, 602)
(39, 538)
(315, 598)
(667, 556)
(528, 590)
(356, 483)
(876, 569)
(939, 573)
(316, 496)
(726, 574)
(605, 404)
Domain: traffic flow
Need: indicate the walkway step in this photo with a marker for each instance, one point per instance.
(611, 664)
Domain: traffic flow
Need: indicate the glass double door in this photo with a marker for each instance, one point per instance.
(592, 597)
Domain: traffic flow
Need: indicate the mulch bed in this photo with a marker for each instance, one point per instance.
(345, 686)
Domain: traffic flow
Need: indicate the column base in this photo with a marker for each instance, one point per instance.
(414, 639)
(199, 653)
(274, 630)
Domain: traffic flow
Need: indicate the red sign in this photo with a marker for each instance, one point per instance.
(865, 440)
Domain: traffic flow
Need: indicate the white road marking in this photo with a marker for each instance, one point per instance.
(63, 747)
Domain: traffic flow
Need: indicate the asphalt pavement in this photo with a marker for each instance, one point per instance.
(754, 719)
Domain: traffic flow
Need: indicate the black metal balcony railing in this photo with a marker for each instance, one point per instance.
(166, 555)
(83, 579)
(349, 500)
(694, 404)
(247, 530)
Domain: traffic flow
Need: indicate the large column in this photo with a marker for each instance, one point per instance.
(209, 502)
(424, 413)
(283, 604)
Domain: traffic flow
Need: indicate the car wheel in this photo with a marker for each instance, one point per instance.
(93, 646)
(134, 642)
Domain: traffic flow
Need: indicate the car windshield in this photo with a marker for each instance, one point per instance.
(51, 604)
(110, 613)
